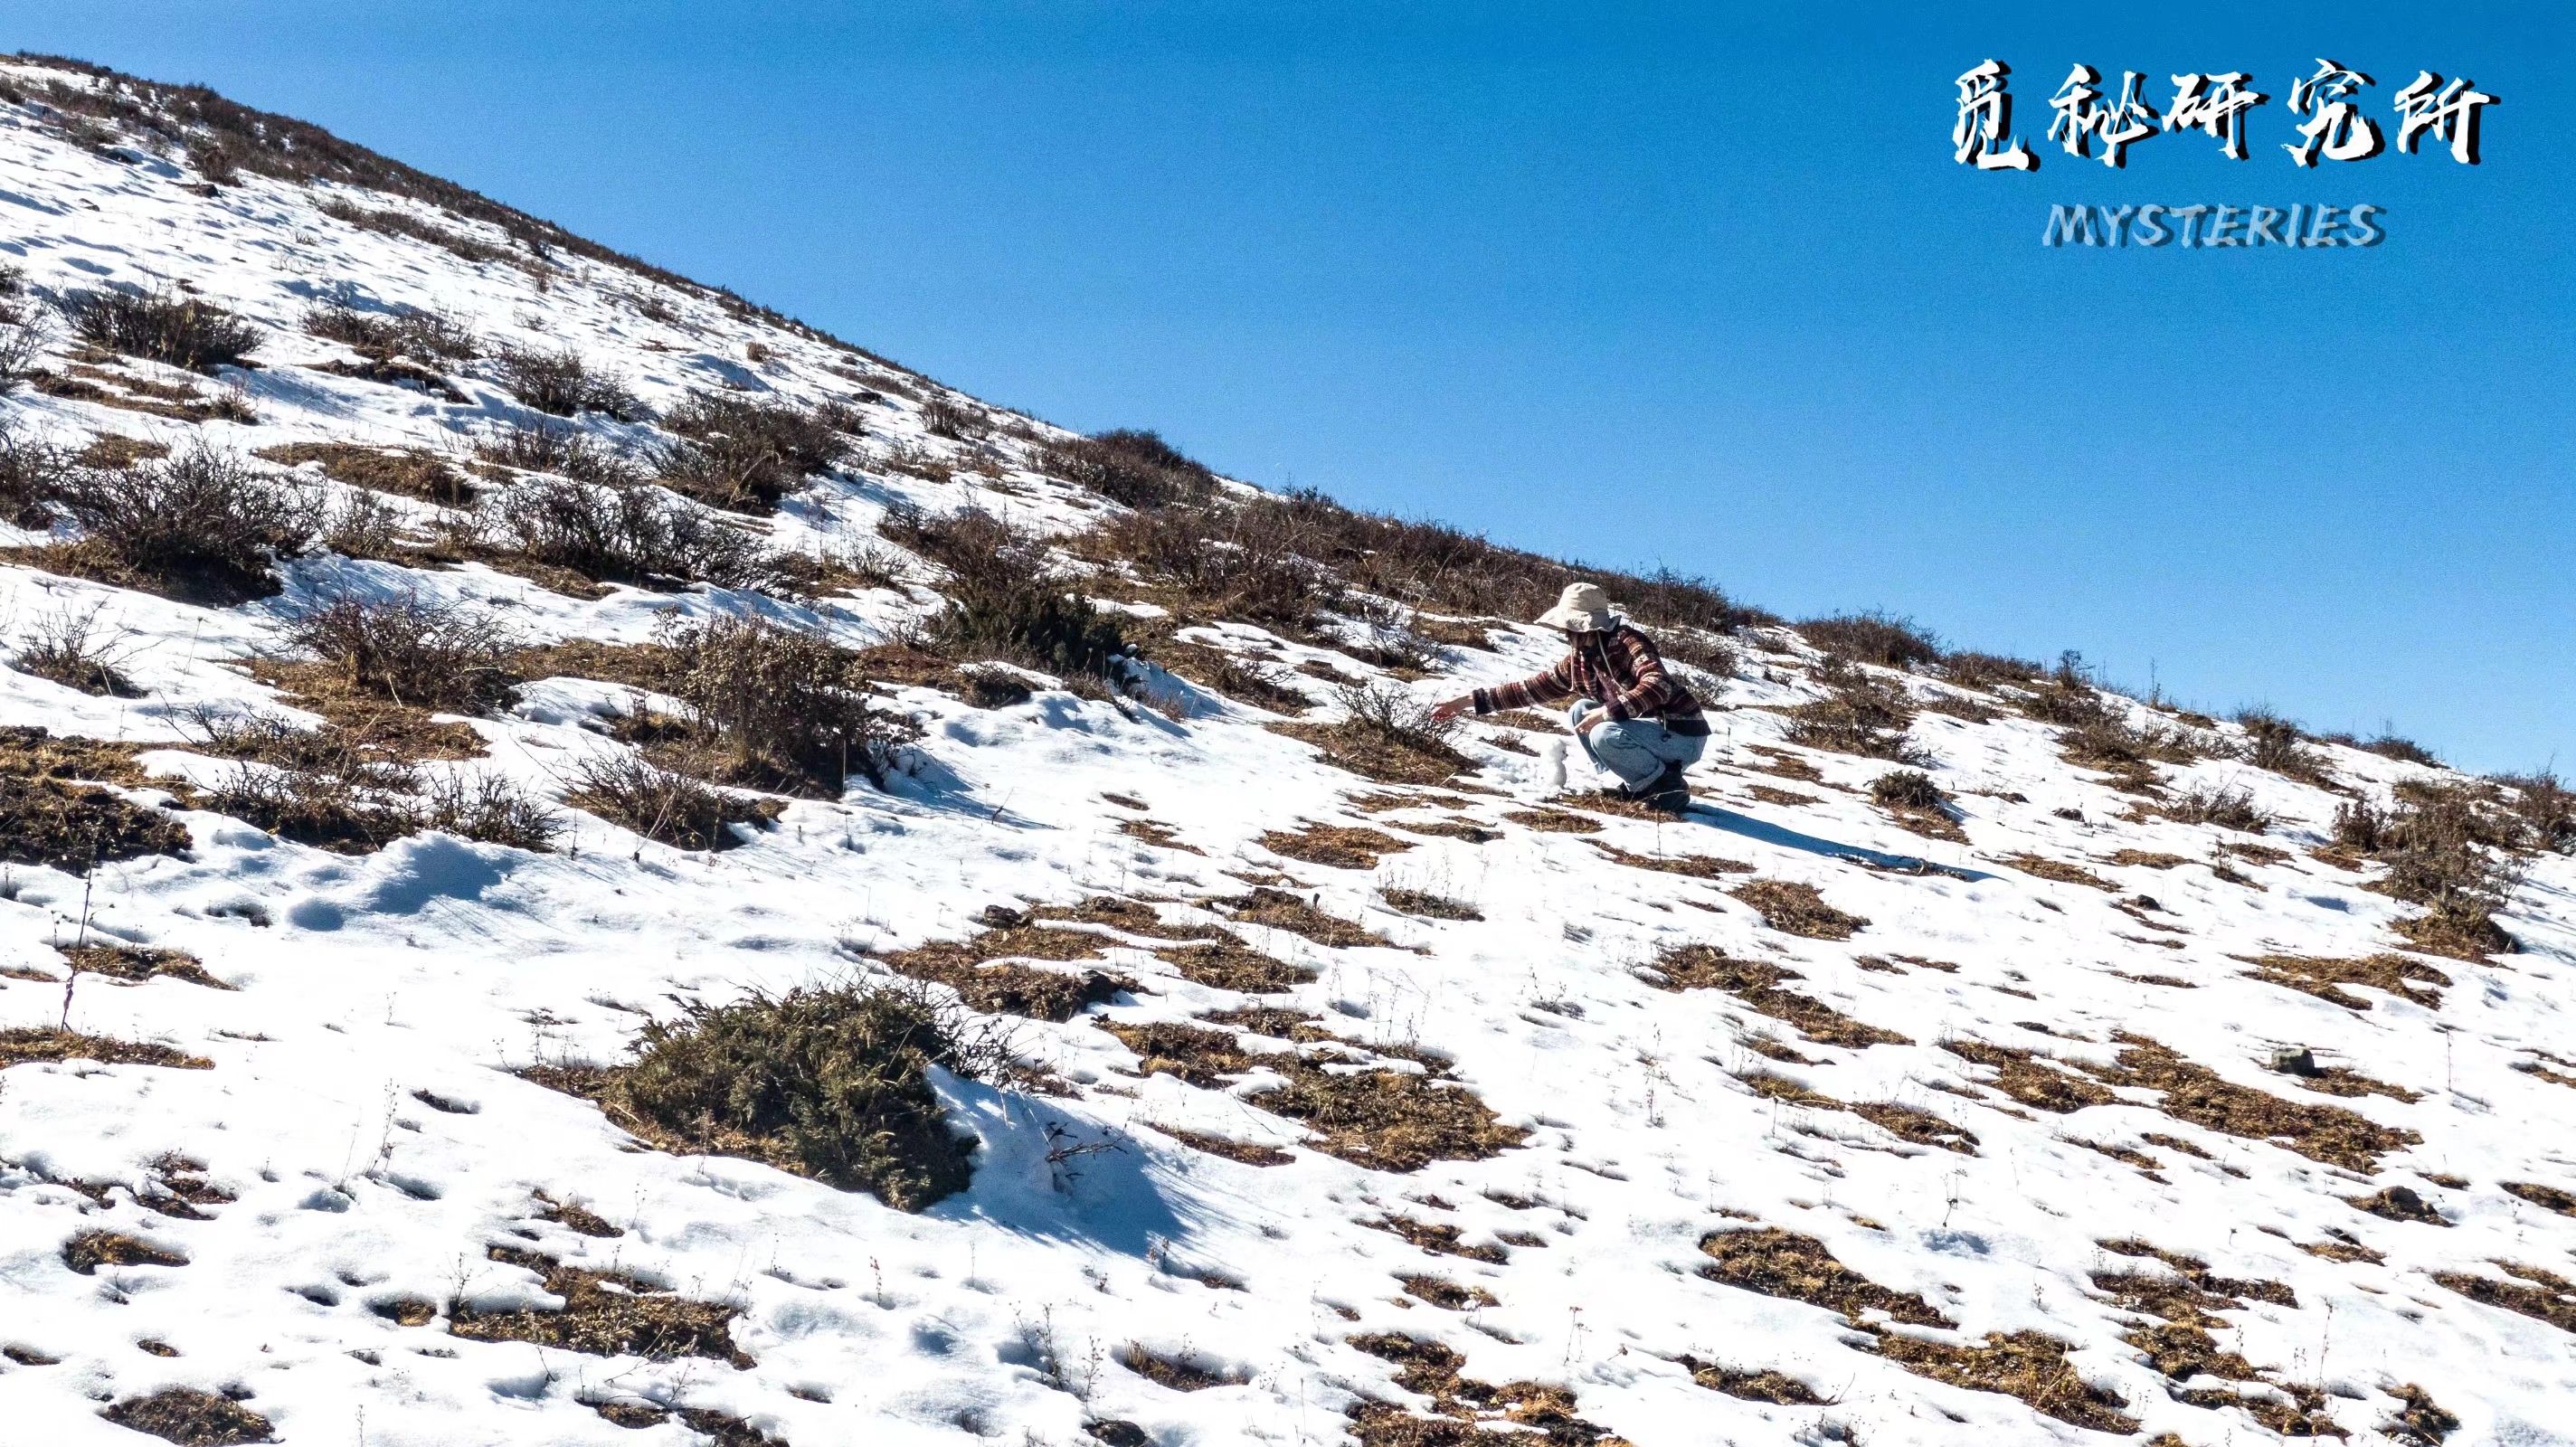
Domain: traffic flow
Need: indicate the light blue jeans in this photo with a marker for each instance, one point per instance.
(1634, 749)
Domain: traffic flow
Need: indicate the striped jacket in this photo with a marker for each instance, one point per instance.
(1619, 669)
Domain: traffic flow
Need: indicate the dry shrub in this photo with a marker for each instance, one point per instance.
(1248, 560)
(619, 533)
(1230, 964)
(1690, 866)
(453, 657)
(2274, 743)
(1385, 734)
(1757, 983)
(745, 454)
(391, 222)
(420, 334)
(954, 417)
(2219, 807)
(190, 1418)
(24, 337)
(1797, 909)
(830, 1083)
(560, 449)
(34, 476)
(560, 383)
(1131, 468)
(71, 827)
(1985, 670)
(1177, 1371)
(1880, 638)
(164, 326)
(325, 790)
(2545, 807)
(200, 526)
(64, 646)
(663, 806)
(408, 471)
(771, 707)
(606, 1314)
(1908, 790)
(2197, 1095)
(2399, 975)
(137, 963)
(2040, 866)
(1773, 1262)
(2443, 853)
(1858, 715)
(1006, 599)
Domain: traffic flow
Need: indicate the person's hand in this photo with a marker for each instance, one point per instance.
(1449, 708)
(1591, 721)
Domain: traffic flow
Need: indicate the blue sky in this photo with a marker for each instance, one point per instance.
(1689, 285)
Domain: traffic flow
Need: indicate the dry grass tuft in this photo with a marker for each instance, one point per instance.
(1521, 1412)
(1445, 1294)
(90, 1250)
(605, 1314)
(1428, 904)
(1797, 909)
(1246, 1152)
(1230, 964)
(1278, 909)
(662, 806)
(65, 647)
(165, 326)
(1919, 1127)
(2042, 867)
(1337, 846)
(2420, 1421)
(190, 1418)
(969, 968)
(1385, 735)
(1691, 866)
(136, 963)
(2198, 1096)
(28, 1046)
(1774, 1262)
(2551, 1197)
(1757, 984)
(1767, 1385)
(1859, 715)
(1177, 1371)
(2023, 1364)
(407, 471)
(2024, 1076)
(2538, 1294)
(1554, 821)
(2399, 975)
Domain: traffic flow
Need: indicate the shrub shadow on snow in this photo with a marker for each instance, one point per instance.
(409, 876)
(1783, 837)
(1044, 1172)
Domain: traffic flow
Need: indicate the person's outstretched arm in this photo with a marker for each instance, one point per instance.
(1547, 686)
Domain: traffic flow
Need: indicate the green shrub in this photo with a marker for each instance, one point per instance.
(831, 1083)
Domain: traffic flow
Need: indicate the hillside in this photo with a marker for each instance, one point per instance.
(539, 799)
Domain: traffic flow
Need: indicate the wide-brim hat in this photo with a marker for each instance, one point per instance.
(1583, 608)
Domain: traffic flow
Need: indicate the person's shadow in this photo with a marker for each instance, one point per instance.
(1767, 832)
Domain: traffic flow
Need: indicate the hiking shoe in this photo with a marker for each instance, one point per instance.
(1666, 791)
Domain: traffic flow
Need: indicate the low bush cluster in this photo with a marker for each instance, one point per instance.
(1132, 468)
(163, 326)
(662, 805)
(745, 454)
(618, 533)
(443, 656)
(1879, 638)
(1008, 600)
(772, 707)
(417, 333)
(201, 526)
(1859, 715)
(559, 382)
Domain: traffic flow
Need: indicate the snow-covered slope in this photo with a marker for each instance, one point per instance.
(2033, 1116)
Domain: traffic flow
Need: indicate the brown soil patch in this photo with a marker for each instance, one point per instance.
(2396, 974)
(90, 1250)
(1757, 984)
(135, 964)
(2420, 1421)
(1373, 755)
(373, 722)
(1920, 1127)
(605, 1313)
(29, 1046)
(1456, 826)
(1230, 964)
(1177, 1371)
(1784, 798)
(1278, 909)
(1774, 1262)
(2197, 1096)
(574, 1217)
(636, 665)
(723, 1429)
(405, 470)
(1692, 866)
(1439, 1238)
(2028, 1078)
(1798, 909)
(190, 1418)
(1786, 765)
(2347, 1082)
(1158, 834)
(47, 819)
(1336, 846)
(1129, 916)
(2042, 867)
(111, 452)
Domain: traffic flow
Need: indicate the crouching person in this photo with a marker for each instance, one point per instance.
(1634, 719)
